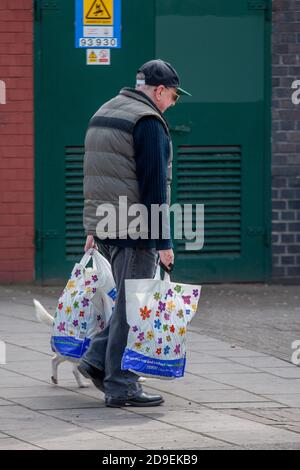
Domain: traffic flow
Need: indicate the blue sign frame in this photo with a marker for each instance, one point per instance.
(96, 42)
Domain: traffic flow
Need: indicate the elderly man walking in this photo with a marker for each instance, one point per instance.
(128, 153)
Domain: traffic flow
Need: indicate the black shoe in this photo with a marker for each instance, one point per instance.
(92, 373)
(142, 399)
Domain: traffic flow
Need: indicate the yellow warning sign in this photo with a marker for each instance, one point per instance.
(92, 57)
(98, 12)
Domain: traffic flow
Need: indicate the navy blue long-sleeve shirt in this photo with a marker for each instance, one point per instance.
(152, 149)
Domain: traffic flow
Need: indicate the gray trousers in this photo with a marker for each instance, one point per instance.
(107, 348)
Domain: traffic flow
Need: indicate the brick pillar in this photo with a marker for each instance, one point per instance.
(16, 142)
(286, 141)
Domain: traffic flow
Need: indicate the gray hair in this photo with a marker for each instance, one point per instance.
(142, 87)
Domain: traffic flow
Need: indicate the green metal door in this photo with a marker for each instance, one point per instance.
(68, 93)
(220, 134)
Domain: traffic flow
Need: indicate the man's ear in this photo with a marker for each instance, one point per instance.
(159, 90)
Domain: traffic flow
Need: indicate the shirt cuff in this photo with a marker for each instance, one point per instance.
(164, 244)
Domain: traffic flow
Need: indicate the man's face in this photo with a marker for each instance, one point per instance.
(165, 97)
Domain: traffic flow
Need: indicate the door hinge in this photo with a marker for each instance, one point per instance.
(40, 5)
(41, 235)
(258, 4)
(255, 231)
(260, 232)
(49, 4)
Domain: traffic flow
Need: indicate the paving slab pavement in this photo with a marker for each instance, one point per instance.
(259, 317)
(233, 396)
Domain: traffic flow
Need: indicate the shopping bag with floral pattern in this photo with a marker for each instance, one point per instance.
(84, 307)
(158, 312)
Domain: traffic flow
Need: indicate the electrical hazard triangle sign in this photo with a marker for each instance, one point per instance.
(98, 12)
(92, 56)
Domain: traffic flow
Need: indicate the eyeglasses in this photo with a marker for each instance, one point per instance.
(174, 95)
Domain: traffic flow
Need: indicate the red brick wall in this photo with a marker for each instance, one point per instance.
(16, 142)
